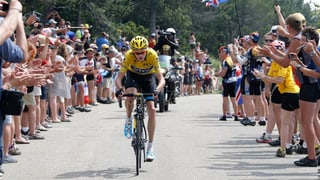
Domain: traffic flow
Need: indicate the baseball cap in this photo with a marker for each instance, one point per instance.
(112, 49)
(52, 21)
(296, 21)
(89, 49)
(93, 46)
(104, 46)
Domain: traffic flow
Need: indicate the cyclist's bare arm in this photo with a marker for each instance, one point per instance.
(119, 79)
(161, 80)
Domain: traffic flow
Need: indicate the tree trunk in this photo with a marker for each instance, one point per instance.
(153, 14)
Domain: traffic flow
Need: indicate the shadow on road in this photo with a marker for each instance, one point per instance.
(110, 173)
(242, 157)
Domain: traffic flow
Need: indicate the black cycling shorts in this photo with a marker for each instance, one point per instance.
(90, 77)
(145, 83)
(309, 92)
(229, 89)
(276, 96)
(290, 101)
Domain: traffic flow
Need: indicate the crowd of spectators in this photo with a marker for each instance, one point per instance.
(65, 70)
(279, 85)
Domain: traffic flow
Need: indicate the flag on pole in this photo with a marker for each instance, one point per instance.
(214, 3)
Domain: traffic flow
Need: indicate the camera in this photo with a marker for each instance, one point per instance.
(274, 29)
(291, 56)
(4, 7)
(163, 33)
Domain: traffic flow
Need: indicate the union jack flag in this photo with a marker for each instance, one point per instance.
(214, 3)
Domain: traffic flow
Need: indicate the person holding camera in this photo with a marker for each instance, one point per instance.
(140, 65)
(167, 45)
(11, 21)
(167, 38)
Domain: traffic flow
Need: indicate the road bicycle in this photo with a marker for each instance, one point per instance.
(139, 138)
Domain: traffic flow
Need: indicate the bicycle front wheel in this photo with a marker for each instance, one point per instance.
(138, 146)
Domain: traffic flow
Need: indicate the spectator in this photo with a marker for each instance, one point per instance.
(167, 43)
(229, 81)
(80, 32)
(103, 39)
(8, 50)
(192, 43)
(152, 40)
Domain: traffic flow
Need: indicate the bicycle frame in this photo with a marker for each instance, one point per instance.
(139, 131)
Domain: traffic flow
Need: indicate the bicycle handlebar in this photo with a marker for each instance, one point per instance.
(132, 95)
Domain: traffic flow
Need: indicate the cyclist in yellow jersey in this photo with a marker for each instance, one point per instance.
(289, 90)
(140, 66)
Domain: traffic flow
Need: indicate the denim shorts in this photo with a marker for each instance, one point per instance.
(7, 120)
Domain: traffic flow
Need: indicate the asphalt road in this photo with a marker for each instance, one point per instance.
(190, 144)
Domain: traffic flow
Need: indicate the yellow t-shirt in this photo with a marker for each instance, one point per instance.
(150, 65)
(288, 85)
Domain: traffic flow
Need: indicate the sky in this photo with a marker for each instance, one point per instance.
(312, 2)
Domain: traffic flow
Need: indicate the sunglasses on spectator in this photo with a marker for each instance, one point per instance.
(139, 53)
(268, 40)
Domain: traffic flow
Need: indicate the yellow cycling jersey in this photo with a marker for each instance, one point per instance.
(150, 65)
(288, 85)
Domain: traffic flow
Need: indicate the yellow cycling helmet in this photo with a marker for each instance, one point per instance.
(138, 42)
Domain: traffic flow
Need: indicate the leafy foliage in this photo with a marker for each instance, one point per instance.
(213, 26)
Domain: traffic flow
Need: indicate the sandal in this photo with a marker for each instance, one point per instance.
(22, 141)
(56, 121)
(66, 120)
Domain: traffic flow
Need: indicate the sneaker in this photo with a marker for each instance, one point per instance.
(262, 123)
(128, 129)
(36, 137)
(94, 104)
(26, 137)
(46, 124)
(41, 128)
(223, 118)
(274, 143)
(86, 109)
(13, 151)
(9, 159)
(24, 132)
(236, 118)
(299, 149)
(247, 122)
(263, 139)
(317, 150)
(318, 159)
(289, 150)
(295, 139)
(70, 110)
(281, 152)
(306, 162)
(150, 156)
(229, 115)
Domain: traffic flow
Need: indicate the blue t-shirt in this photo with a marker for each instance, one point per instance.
(100, 41)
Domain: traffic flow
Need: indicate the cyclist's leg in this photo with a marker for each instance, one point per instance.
(131, 87)
(151, 120)
(148, 86)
